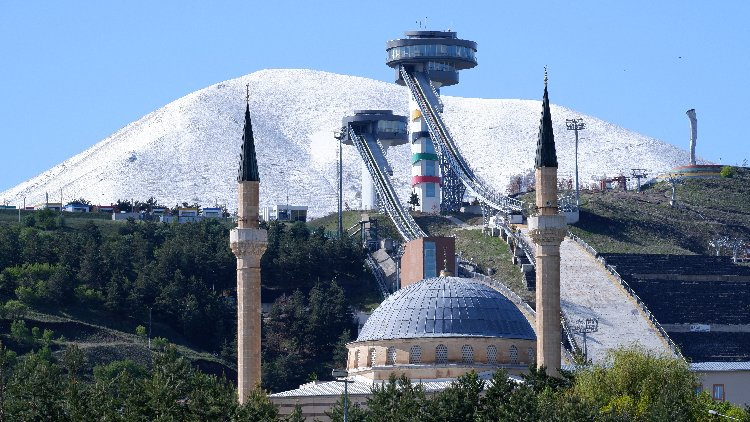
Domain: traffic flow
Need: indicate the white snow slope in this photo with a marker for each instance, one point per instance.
(189, 149)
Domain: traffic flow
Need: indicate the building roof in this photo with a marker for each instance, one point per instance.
(361, 385)
(248, 163)
(546, 156)
(719, 366)
(446, 307)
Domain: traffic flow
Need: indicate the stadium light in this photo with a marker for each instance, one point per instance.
(576, 125)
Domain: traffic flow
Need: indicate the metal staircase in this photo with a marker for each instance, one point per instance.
(378, 166)
(427, 99)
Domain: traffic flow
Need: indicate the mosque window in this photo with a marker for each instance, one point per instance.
(441, 354)
(356, 358)
(718, 392)
(491, 354)
(390, 355)
(513, 354)
(532, 355)
(467, 354)
(372, 355)
(415, 354)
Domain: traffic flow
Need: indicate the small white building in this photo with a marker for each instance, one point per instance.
(284, 212)
(77, 208)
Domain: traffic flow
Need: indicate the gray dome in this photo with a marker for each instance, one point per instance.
(446, 307)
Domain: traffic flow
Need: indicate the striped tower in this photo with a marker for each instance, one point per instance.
(248, 242)
(547, 229)
(425, 168)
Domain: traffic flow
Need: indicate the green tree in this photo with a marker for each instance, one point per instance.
(397, 400)
(639, 386)
(459, 402)
(257, 407)
(356, 412)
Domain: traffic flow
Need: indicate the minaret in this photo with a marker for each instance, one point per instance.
(547, 230)
(248, 242)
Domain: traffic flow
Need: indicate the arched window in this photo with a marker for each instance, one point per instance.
(415, 354)
(513, 354)
(491, 354)
(390, 355)
(372, 355)
(441, 354)
(356, 358)
(532, 355)
(467, 354)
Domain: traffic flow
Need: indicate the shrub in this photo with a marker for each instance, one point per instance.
(728, 171)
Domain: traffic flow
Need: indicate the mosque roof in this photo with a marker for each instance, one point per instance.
(446, 307)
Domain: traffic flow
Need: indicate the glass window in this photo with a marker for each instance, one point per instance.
(467, 354)
(532, 355)
(415, 354)
(718, 392)
(429, 168)
(390, 355)
(491, 354)
(429, 258)
(428, 146)
(441, 354)
(513, 354)
(429, 190)
(356, 358)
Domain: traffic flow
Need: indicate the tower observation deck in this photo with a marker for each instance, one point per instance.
(425, 61)
(372, 132)
(388, 130)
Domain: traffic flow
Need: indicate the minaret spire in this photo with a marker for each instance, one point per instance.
(547, 230)
(546, 156)
(248, 163)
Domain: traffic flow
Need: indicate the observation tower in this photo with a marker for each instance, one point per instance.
(432, 59)
(381, 129)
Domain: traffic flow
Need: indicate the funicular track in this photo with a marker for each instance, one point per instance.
(428, 101)
(377, 164)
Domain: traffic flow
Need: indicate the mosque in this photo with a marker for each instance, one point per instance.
(433, 330)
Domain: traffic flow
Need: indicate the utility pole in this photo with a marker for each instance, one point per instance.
(639, 174)
(576, 125)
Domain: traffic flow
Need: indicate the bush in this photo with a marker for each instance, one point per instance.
(728, 171)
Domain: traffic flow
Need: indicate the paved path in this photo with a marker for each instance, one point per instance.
(588, 290)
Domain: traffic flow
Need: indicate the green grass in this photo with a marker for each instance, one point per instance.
(632, 222)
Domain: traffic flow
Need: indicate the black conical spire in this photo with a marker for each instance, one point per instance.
(546, 156)
(248, 163)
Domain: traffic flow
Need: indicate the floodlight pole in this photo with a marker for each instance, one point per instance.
(576, 125)
(339, 137)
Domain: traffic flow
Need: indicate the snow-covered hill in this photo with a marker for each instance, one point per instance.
(189, 149)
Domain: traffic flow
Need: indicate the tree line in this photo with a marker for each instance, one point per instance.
(184, 275)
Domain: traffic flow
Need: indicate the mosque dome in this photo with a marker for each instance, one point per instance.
(446, 307)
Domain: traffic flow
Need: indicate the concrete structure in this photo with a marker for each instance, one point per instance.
(438, 55)
(547, 229)
(425, 257)
(248, 242)
(380, 127)
(54, 206)
(693, 134)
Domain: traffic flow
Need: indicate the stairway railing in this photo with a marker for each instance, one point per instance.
(405, 224)
(446, 146)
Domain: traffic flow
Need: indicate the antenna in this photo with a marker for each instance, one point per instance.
(247, 94)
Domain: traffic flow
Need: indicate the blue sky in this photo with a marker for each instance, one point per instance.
(73, 72)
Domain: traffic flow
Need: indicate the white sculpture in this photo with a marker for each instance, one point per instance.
(693, 134)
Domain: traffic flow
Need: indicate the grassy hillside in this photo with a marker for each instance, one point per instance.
(632, 222)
